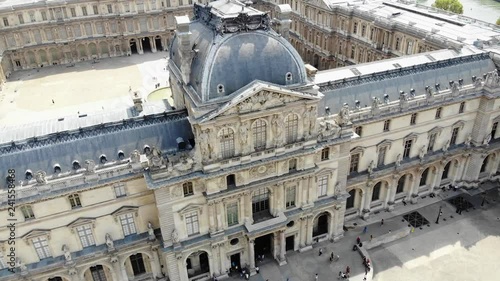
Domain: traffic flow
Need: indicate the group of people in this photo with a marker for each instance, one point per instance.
(345, 275)
(367, 264)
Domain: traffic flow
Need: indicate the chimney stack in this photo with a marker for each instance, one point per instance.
(283, 19)
(185, 51)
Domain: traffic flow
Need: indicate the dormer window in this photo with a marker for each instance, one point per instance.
(57, 169)
(28, 175)
(288, 76)
(103, 159)
(231, 181)
(121, 155)
(76, 165)
(146, 149)
(220, 89)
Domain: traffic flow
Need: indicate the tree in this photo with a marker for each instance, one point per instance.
(449, 5)
(498, 21)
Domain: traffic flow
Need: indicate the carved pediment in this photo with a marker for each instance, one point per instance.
(258, 96)
(191, 208)
(125, 210)
(81, 221)
(35, 233)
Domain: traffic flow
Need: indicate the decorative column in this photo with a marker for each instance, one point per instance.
(123, 271)
(415, 186)
(302, 233)
(220, 216)
(222, 254)
(182, 268)
(309, 230)
(115, 263)
(367, 202)
(251, 255)
(282, 260)
(311, 186)
(211, 216)
(214, 265)
(155, 262)
(392, 192)
(248, 206)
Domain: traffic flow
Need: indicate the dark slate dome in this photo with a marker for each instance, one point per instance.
(225, 63)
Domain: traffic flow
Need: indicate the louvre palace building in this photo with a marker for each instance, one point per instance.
(286, 120)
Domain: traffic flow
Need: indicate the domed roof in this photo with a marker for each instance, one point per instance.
(225, 62)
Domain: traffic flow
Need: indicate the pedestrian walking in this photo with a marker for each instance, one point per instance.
(257, 269)
(382, 222)
(371, 237)
(316, 277)
(320, 251)
(358, 240)
(365, 229)
(404, 202)
(53, 102)
(347, 270)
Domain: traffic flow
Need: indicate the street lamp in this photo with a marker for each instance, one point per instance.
(439, 215)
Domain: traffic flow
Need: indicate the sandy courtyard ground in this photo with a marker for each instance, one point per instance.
(86, 87)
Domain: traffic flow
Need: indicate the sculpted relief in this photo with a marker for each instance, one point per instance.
(260, 101)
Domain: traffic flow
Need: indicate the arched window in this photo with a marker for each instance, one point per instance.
(485, 164)
(259, 129)
(291, 127)
(423, 178)
(227, 142)
(376, 191)
(401, 184)
(446, 171)
(350, 200)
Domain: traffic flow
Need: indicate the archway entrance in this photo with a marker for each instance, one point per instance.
(263, 246)
(98, 273)
(290, 243)
(146, 45)
(133, 47)
(159, 46)
(321, 224)
(197, 264)
(350, 200)
(56, 279)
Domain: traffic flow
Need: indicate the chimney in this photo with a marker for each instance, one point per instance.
(184, 42)
(283, 19)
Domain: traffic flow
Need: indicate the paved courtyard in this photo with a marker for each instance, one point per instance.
(58, 91)
(461, 247)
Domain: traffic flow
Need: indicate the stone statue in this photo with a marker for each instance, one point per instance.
(175, 236)
(204, 144)
(478, 82)
(370, 167)
(135, 156)
(109, 243)
(156, 158)
(468, 141)
(337, 189)
(155, 152)
(375, 102)
(455, 91)
(40, 177)
(421, 154)
(151, 231)
(344, 115)
(22, 266)
(428, 92)
(67, 253)
(243, 133)
(492, 79)
(403, 99)
(90, 166)
(312, 123)
(487, 140)
(446, 145)
(277, 129)
(398, 160)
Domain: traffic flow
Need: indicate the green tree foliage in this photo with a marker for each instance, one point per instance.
(449, 5)
(498, 21)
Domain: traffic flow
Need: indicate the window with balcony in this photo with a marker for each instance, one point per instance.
(260, 204)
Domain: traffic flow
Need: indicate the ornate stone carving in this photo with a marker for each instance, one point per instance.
(262, 171)
(22, 266)
(468, 141)
(67, 253)
(263, 100)
(399, 158)
(478, 82)
(90, 166)
(403, 99)
(109, 242)
(243, 133)
(487, 140)
(175, 236)
(338, 189)
(492, 80)
(206, 148)
(455, 91)
(446, 146)
(40, 177)
(370, 167)
(375, 103)
(277, 124)
(156, 158)
(309, 121)
(327, 129)
(344, 118)
(428, 92)
(422, 152)
(135, 156)
(185, 164)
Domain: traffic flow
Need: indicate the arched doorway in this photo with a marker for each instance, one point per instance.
(424, 178)
(321, 224)
(446, 171)
(146, 44)
(138, 265)
(133, 46)
(197, 265)
(159, 45)
(484, 166)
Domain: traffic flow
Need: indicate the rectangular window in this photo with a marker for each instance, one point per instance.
(5, 21)
(354, 163)
(231, 181)
(438, 112)
(86, 236)
(413, 119)
(409, 48)
(119, 190)
(363, 30)
(292, 165)
(325, 154)
(96, 9)
(21, 18)
(74, 200)
(407, 148)
(73, 12)
(387, 124)
(353, 52)
(432, 141)
(290, 197)
(84, 11)
(137, 263)
(232, 213)
(381, 156)
(32, 17)
(192, 225)
(227, 143)
(462, 107)
(322, 185)
(358, 130)
(454, 136)
(27, 212)
(126, 7)
(128, 225)
(372, 33)
(187, 188)
(355, 28)
(168, 3)
(494, 130)
(44, 15)
(41, 246)
(110, 8)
